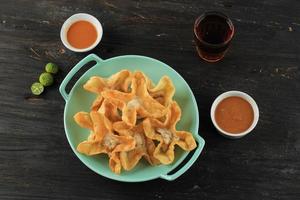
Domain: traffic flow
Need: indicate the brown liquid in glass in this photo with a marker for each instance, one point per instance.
(213, 34)
(214, 30)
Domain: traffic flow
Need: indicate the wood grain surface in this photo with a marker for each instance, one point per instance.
(36, 161)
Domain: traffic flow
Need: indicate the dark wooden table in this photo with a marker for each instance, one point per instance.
(36, 161)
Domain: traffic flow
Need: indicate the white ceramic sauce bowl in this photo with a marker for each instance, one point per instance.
(80, 17)
(246, 97)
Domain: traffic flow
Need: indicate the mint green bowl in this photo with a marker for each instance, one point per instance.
(80, 100)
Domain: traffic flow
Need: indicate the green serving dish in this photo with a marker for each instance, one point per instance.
(80, 100)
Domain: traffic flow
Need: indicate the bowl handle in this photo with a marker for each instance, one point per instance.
(87, 59)
(187, 165)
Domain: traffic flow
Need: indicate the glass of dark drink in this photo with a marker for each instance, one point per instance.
(213, 32)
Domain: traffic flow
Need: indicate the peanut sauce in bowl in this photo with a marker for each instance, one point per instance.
(81, 32)
(234, 114)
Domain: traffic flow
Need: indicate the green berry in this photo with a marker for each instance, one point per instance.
(37, 88)
(46, 79)
(51, 68)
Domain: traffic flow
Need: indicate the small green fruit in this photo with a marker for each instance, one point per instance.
(51, 68)
(37, 88)
(46, 79)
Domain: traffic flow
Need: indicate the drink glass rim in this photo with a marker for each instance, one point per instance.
(220, 14)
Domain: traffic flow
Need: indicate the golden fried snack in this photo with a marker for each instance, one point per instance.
(137, 102)
(97, 103)
(129, 114)
(164, 91)
(110, 110)
(104, 140)
(167, 135)
(84, 120)
(144, 146)
(114, 162)
(96, 122)
(119, 81)
(111, 145)
(149, 82)
(95, 85)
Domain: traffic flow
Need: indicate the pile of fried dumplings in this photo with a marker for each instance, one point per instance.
(132, 118)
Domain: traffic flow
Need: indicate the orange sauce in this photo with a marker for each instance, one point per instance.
(82, 34)
(234, 115)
